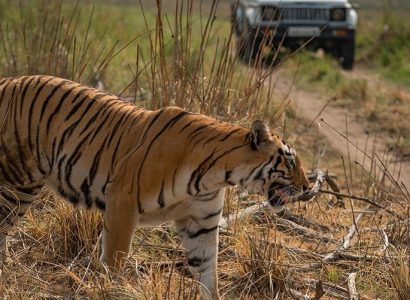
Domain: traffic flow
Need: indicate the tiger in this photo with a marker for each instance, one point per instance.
(139, 167)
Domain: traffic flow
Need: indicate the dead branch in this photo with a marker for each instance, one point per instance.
(346, 241)
(299, 296)
(334, 255)
(318, 176)
(384, 236)
(330, 289)
(258, 210)
(364, 199)
(351, 283)
(288, 215)
(284, 224)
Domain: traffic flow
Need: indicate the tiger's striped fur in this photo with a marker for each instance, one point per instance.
(140, 167)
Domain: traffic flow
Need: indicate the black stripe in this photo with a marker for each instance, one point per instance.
(249, 139)
(187, 125)
(161, 200)
(76, 154)
(211, 215)
(95, 116)
(19, 146)
(277, 162)
(11, 166)
(66, 134)
(53, 91)
(23, 95)
(197, 130)
(250, 175)
(206, 197)
(259, 175)
(100, 204)
(15, 200)
(174, 177)
(60, 104)
(85, 188)
(59, 167)
(168, 125)
(114, 129)
(193, 235)
(4, 89)
(7, 176)
(100, 126)
(72, 198)
(229, 134)
(213, 138)
(197, 174)
(33, 190)
(32, 104)
(200, 175)
(95, 164)
(227, 177)
(196, 261)
(114, 153)
(77, 107)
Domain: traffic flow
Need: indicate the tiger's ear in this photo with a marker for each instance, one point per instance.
(261, 138)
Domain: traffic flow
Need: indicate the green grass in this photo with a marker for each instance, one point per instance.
(383, 43)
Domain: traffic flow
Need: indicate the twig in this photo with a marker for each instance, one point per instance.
(351, 283)
(283, 223)
(288, 215)
(364, 199)
(346, 241)
(318, 176)
(385, 238)
(298, 295)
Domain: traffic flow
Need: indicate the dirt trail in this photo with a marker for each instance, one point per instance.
(308, 104)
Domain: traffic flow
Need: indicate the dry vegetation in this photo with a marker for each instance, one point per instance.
(326, 248)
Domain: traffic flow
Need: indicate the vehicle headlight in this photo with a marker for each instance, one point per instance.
(270, 13)
(338, 14)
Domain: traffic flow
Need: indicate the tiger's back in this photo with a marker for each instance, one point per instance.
(62, 133)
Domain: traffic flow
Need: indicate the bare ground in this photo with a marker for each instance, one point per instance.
(336, 123)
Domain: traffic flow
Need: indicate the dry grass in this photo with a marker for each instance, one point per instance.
(54, 250)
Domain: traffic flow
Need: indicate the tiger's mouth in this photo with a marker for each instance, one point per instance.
(280, 194)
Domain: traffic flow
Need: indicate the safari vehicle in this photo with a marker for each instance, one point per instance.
(327, 24)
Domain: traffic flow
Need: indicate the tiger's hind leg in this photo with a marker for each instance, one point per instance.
(199, 235)
(13, 206)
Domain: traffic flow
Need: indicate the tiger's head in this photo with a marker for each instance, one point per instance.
(281, 175)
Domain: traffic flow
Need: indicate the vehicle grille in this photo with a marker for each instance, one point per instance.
(296, 14)
(305, 14)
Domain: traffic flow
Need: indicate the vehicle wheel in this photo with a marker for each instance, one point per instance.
(249, 44)
(347, 50)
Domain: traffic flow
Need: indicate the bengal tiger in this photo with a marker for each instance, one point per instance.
(140, 167)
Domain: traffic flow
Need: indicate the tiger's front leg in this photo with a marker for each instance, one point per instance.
(199, 235)
(120, 220)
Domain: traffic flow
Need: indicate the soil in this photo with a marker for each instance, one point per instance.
(335, 121)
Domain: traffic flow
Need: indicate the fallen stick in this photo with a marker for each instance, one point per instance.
(257, 210)
(351, 283)
(318, 176)
(334, 255)
(288, 215)
(364, 199)
(346, 241)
